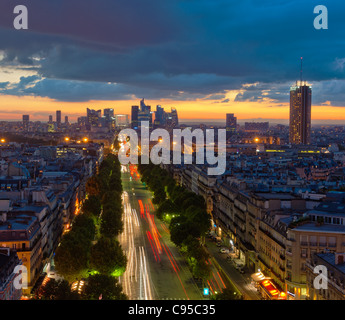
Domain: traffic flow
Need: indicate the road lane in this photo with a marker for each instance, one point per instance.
(155, 269)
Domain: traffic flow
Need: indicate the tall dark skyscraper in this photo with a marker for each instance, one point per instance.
(58, 117)
(144, 114)
(134, 117)
(93, 117)
(108, 113)
(174, 117)
(159, 116)
(300, 113)
(230, 124)
(26, 120)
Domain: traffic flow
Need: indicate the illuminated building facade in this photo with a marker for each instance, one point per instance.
(300, 114)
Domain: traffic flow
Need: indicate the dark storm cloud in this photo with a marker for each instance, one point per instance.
(173, 49)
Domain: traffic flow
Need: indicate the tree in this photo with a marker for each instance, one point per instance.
(57, 290)
(201, 270)
(103, 287)
(92, 205)
(167, 206)
(181, 229)
(84, 224)
(72, 256)
(111, 222)
(92, 186)
(159, 196)
(107, 256)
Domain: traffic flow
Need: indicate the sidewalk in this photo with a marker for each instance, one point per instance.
(241, 281)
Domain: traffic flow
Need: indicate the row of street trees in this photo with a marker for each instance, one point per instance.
(186, 213)
(90, 249)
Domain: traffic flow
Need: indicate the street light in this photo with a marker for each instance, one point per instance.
(66, 138)
(2, 140)
(85, 139)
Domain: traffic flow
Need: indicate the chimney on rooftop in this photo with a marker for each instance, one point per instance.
(339, 258)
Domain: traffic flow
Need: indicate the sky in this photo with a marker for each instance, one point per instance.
(204, 57)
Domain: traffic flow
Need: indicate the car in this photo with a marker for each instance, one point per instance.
(224, 250)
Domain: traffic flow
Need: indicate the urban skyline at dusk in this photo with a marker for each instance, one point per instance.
(159, 151)
(246, 69)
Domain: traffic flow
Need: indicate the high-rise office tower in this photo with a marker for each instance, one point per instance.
(58, 117)
(160, 117)
(174, 117)
(230, 124)
(144, 114)
(134, 117)
(26, 119)
(143, 106)
(93, 117)
(108, 113)
(50, 119)
(66, 119)
(300, 112)
(121, 120)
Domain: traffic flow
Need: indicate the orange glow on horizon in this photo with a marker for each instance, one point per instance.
(39, 109)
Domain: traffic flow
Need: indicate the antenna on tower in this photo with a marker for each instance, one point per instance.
(301, 69)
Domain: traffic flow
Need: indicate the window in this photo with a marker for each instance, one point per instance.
(322, 241)
(332, 242)
(304, 240)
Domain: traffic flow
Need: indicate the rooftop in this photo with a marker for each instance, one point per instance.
(312, 227)
(330, 258)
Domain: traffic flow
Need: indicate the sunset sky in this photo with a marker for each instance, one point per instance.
(204, 57)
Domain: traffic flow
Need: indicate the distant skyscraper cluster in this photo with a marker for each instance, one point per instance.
(94, 120)
(161, 117)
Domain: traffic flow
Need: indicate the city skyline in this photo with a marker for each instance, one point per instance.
(172, 150)
(219, 66)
